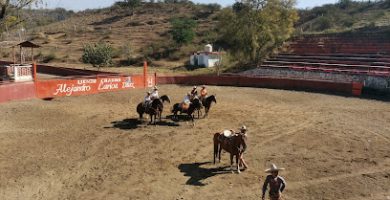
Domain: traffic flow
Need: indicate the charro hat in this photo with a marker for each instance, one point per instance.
(195, 87)
(203, 86)
(274, 168)
(243, 128)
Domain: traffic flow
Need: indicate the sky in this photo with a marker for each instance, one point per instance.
(77, 5)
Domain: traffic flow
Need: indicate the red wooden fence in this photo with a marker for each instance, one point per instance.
(277, 83)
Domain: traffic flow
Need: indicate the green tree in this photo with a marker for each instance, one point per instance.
(254, 28)
(182, 30)
(7, 6)
(99, 55)
(133, 3)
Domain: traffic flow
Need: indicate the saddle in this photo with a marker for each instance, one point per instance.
(185, 106)
(226, 135)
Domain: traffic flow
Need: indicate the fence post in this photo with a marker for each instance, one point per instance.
(145, 73)
(155, 78)
(35, 71)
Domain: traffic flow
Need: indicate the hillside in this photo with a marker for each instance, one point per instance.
(143, 32)
(344, 16)
(134, 34)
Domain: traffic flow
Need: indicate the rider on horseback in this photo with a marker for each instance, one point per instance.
(194, 93)
(203, 93)
(154, 94)
(186, 102)
(147, 100)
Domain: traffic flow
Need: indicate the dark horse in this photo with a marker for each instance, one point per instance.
(155, 109)
(195, 105)
(236, 145)
(207, 103)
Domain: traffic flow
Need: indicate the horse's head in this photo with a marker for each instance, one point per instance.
(212, 98)
(165, 98)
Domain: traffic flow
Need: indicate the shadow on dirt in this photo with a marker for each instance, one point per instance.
(197, 173)
(126, 124)
(130, 124)
(183, 117)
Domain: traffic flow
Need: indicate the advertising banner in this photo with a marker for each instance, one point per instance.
(85, 86)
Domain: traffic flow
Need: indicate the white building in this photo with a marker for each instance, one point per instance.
(207, 58)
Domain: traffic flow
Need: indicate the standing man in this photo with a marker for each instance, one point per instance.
(276, 183)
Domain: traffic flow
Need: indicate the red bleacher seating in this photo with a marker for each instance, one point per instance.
(368, 55)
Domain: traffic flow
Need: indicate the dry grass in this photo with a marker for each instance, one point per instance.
(147, 26)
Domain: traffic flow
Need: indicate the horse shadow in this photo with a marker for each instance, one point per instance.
(164, 123)
(126, 124)
(130, 124)
(180, 117)
(197, 173)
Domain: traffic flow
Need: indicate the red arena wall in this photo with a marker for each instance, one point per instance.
(89, 85)
(17, 91)
(277, 83)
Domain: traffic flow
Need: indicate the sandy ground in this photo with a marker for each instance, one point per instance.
(93, 147)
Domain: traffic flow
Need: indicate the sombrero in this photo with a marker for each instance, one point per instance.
(274, 168)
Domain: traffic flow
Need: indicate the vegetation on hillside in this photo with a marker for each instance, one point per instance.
(9, 12)
(252, 29)
(98, 55)
(346, 15)
(166, 32)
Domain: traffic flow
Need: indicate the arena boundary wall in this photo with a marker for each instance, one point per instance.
(95, 83)
(346, 88)
(17, 91)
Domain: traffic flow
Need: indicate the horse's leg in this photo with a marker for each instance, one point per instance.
(219, 153)
(175, 114)
(238, 162)
(206, 110)
(193, 121)
(231, 162)
(215, 149)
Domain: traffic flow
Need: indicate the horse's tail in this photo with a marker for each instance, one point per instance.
(216, 146)
(140, 109)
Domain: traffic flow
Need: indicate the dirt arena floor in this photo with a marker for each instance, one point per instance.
(93, 147)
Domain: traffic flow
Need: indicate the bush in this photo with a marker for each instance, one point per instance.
(183, 30)
(323, 23)
(99, 55)
(48, 58)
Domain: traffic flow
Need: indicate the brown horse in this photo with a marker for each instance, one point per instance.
(206, 102)
(236, 145)
(155, 109)
(195, 105)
